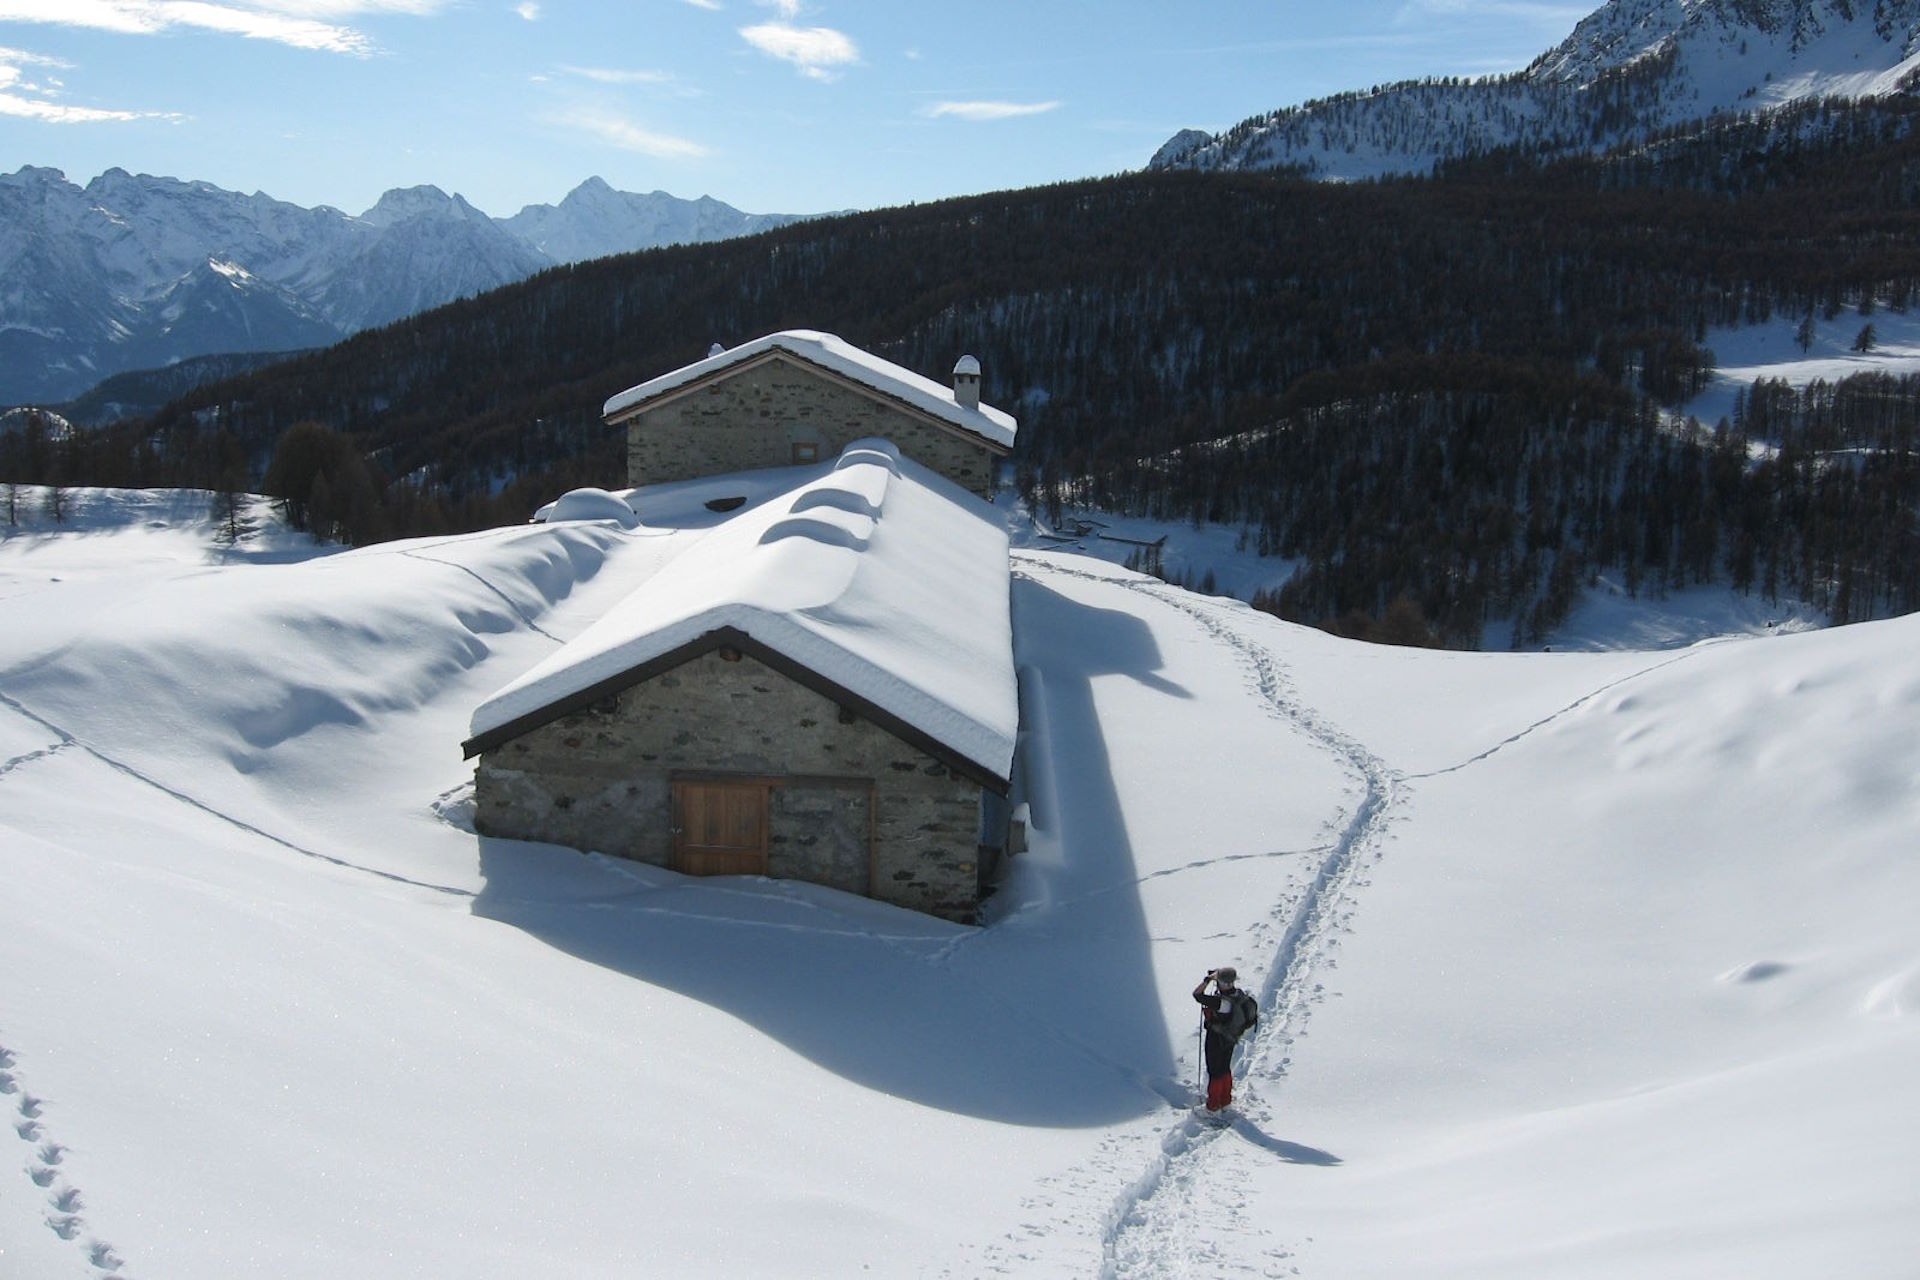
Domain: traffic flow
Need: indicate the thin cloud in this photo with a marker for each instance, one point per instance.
(618, 131)
(816, 51)
(303, 24)
(988, 110)
(616, 75)
(350, 8)
(528, 10)
(25, 100)
(1542, 12)
(711, 6)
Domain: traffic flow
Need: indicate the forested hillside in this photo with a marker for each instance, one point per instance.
(1352, 369)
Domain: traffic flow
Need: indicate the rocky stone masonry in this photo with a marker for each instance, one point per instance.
(600, 780)
(752, 418)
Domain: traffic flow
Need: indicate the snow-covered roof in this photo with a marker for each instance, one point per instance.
(837, 356)
(876, 576)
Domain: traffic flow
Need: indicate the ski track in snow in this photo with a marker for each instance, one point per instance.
(1199, 864)
(505, 599)
(121, 767)
(46, 1169)
(1544, 721)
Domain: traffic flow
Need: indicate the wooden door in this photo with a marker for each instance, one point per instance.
(720, 828)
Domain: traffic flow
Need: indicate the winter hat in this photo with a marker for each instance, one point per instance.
(1225, 975)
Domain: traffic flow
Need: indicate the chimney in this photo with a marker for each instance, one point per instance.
(966, 383)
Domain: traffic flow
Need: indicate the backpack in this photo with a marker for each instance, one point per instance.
(1239, 1015)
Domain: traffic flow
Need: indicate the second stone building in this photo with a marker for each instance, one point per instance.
(797, 398)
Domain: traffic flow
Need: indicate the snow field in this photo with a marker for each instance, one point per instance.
(1572, 965)
(1626, 1026)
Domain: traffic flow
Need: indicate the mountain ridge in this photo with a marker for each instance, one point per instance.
(1628, 70)
(137, 271)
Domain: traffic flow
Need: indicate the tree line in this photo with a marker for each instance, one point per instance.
(1441, 499)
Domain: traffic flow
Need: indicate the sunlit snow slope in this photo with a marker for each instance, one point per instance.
(1574, 965)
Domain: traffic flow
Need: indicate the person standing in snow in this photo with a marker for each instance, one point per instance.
(1226, 1013)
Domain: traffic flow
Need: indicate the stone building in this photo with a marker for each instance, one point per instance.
(800, 397)
(820, 689)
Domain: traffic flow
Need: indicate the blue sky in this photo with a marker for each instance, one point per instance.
(771, 105)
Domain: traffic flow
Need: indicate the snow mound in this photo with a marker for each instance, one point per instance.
(588, 504)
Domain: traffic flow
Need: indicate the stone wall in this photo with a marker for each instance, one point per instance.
(753, 418)
(601, 779)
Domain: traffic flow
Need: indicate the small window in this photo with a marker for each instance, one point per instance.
(806, 451)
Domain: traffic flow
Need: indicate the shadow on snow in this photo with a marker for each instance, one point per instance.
(1291, 1152)
(1047, 1017)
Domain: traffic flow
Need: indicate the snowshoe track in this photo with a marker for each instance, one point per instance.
(1149, 1226)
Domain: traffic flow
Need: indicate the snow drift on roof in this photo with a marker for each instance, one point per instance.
(831, 353)
(588, 504)
(875, 573)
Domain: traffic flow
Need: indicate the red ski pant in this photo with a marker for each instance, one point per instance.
(1219, 1051)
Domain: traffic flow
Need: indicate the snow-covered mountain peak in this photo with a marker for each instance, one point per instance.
(1761, 34)
(119, 185)
(596, 220)
(593, 188)
(403, 204)
(1178, 148)
(1629, 69)
(29, 175)
(593, 194)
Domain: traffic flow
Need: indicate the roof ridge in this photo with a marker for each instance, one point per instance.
(833, 355)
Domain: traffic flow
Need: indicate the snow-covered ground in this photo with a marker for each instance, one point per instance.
(1574, 964)
(1772, 350)
(1188, 552)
